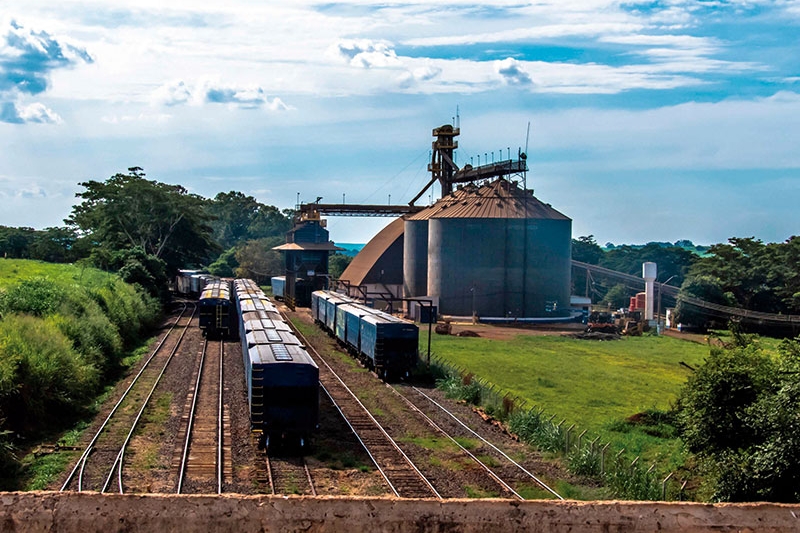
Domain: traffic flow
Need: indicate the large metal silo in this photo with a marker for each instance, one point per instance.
(499, 252)
(415, 258)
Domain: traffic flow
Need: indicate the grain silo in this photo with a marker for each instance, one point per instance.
(492, 251)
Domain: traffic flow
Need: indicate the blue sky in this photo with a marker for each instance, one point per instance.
(649, 120)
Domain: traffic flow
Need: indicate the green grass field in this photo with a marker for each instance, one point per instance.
(595, 385)
(15, 270)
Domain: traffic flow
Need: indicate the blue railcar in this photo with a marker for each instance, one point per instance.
(282, 379)
(216, 310)
(331, 303)
(282, 393)
(389, 345)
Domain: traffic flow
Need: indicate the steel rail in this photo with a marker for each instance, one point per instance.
(363, 444)
(121, 455)
(371, 418)
(495, 448)
(220, 410)
(472, 456)
(190, 421)
(308, 475)
(379, 426)
(81, 463)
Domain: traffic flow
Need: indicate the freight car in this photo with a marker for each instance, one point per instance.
(384, 343)
(282, 379)
(278, 287)
(216, 310)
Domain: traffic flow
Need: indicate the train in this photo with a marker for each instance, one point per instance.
(278, 287)
(216, 310)
(282, 379)
(386, 344)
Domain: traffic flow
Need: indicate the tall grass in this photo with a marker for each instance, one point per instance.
(61, 339)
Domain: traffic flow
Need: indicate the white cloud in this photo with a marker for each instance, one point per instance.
(512, 73)
(178, 92)
(36, 112)
(365, 53)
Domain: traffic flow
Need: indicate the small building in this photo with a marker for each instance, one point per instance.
(306, 250)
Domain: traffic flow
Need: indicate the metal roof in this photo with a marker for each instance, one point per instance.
(316, 246)
(362, 264)
(499, 199)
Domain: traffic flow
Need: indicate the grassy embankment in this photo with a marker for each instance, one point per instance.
(66, 334)
(597, 386)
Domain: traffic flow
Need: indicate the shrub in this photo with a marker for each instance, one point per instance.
(36, 296)
(43, 377)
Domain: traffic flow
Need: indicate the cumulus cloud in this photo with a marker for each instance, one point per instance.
(27, 58)
(20, 114)
(172, 93)
(365, 53)
(179, 92)
(512, 73)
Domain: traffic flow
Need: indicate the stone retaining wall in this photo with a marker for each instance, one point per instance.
(89, 512)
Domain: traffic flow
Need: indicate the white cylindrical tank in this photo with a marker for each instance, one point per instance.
(649, 273)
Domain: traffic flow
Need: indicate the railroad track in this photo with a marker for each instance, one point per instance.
(203, 453)
(508, 472)
(289, 475)
(400, 473)
(102, 461)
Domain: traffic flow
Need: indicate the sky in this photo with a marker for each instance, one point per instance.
(642, 121)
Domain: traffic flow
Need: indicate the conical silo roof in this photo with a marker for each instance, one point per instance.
(499, 199)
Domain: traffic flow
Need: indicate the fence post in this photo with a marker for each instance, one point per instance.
(566, 439)
(580, 438)
(664, 486)
(634, 463)
(603, 458)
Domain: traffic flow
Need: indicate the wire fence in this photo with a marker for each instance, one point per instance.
(584, 454)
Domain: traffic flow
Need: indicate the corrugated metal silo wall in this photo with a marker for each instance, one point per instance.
(476, 265)
(415, 258)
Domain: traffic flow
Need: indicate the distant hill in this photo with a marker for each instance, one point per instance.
(351, 249)
(698, 249)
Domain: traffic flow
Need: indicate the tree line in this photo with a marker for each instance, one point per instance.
(744, 272)
(147, 230)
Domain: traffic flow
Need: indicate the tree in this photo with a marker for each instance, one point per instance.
(128, 211)
(618, 296)
(586, 250)
(225, 266)
(337, 263)
(740, 412)
(258, 261)
(706, 288)
(238, 218)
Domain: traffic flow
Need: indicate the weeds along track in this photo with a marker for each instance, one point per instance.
(204, 447)
(100, 466)
(498, 464)
(289, 475)
(399, 472)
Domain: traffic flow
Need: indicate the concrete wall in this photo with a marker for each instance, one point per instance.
(87, 512)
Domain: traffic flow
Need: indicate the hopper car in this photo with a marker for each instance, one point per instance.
(384, 343)
(282, 379)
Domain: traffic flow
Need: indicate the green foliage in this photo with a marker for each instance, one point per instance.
(586, 250)
(258, 261)
(337, 263)
(226, 264)
(239, 218)
(461, 389)
(706, 288)
(672, 261)
(618, 296)
(740, 413)
(128, 211)
(35, 296)
(42, 376)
